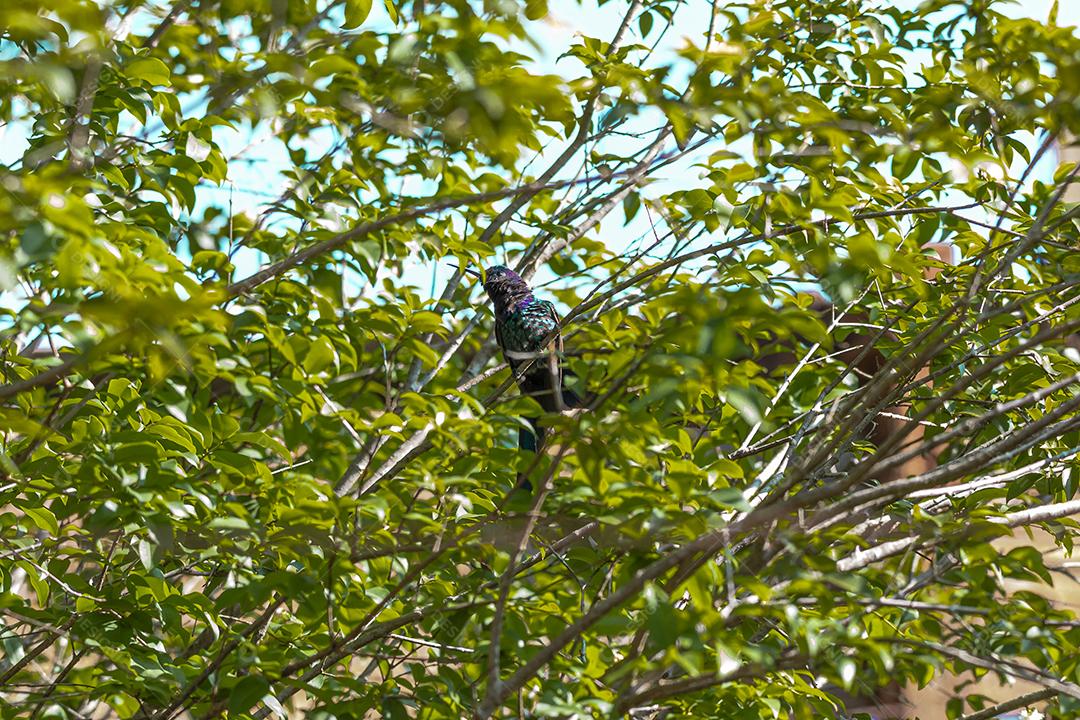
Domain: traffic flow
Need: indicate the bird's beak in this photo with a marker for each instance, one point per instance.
(470, 271)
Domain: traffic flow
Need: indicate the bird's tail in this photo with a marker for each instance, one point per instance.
(531, 438)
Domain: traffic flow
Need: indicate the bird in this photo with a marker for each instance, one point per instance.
(527, 330)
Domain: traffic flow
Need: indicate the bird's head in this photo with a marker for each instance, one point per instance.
(503, 285)
(500, 278)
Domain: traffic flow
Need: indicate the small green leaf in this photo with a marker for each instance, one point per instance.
(356, 12)
(631, 205)
(730, 497)
(536, 9)
(34, 241)
(246, 693)
(44, 519)
(267, 442)
(124, 705)
(391, 10)
(645, 23)
(319, 356)
(149, 70)
(146, 554)
(37, 580)
(139, 452)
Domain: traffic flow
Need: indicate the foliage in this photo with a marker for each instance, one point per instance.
(252, 462)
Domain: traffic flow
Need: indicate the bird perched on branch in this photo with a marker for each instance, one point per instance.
(527, 331)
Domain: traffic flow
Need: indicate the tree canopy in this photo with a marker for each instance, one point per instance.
(259, 447)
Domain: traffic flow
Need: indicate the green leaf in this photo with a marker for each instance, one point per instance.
(44, 519)
(37, 581)
(645, 23)
(246, 693)
(320, 355)
(34, 241)
(124, 704)
(149, 70)
(146, 554)
(391, 10)
(731, 497)
(356, 12)
(536, 9)
(138, 452)
(20, 423)
(265, 441)
(631, 205)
